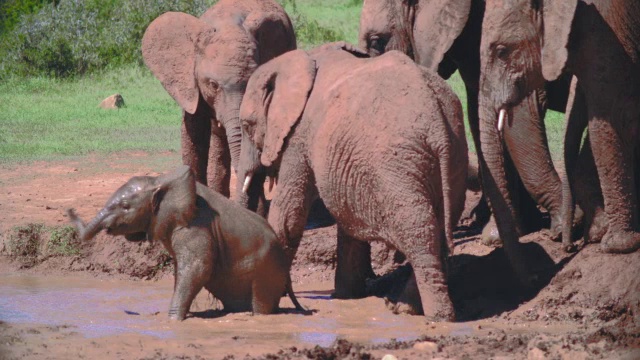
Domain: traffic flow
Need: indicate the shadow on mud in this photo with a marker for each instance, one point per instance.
(480, 286)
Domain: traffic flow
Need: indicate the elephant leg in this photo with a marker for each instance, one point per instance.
(189, 280)
(576, 122)
(291, 202)
(613, 153)
(353, 267)
(195, 137)
(422, 240)
(589, 195)
(526, 141)
(481, 212)
(219, 168)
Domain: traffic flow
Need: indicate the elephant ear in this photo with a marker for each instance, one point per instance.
(174, 197)
(557, 18)
(270, 33)
(437, 25)
(276, 96)
(168, 49)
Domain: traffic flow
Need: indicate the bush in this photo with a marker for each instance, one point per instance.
(63, 241)
(12, 10)
(77, 36)
(72, 37)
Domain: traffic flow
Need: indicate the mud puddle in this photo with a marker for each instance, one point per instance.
(102, 308)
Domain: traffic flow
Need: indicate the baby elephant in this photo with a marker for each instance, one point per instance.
(380, 141)
(215, 244)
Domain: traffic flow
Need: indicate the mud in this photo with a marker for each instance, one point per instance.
(110, 299)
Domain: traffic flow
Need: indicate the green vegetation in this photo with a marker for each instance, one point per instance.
(68, 37)
(63, 240)
(46, 118)
(49, 111)
(32, 243)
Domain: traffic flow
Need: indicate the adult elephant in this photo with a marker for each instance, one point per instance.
(444, 35)
(527, 42)
(204, 64)
(388, 168)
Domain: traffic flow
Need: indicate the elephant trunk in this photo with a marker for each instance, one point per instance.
(88, 231)
(251, 176)
(495, 184)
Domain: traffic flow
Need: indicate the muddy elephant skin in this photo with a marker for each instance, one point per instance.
(204, 64)
(525, 43)
(216, 244)
(390, 168)
(444, 35)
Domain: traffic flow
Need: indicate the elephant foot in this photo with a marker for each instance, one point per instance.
(555, 228)
(490, 235)
(405, 299)
(596, 228)
(620, 242)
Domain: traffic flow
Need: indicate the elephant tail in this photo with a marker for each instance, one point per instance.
(292, 295)
(447, 196)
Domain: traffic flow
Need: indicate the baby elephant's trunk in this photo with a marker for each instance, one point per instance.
(86, 232)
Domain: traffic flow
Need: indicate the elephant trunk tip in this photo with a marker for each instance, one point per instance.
(80, 225)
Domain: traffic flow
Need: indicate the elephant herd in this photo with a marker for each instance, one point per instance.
(374, 131)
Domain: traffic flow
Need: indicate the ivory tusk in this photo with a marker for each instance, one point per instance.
(271, 182)
(219, 124)
(247, 182)
(503, 112)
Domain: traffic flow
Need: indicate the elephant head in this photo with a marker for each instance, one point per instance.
(516, 57)
(275, 99)
(422, 29)
(202, 61)
(145, 207)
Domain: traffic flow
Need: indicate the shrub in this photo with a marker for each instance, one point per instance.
(77, 36)
(24, 241)
(63, 241)
(12, 10)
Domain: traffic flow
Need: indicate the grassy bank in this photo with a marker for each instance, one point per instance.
(43, 118)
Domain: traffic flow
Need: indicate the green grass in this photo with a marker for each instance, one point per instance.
(43, 118)
(46, 119)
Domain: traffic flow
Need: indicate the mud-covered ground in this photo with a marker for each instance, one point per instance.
(108, 298)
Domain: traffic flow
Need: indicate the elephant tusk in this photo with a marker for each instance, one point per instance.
(271, 182)
(247, 182)
(503, 112)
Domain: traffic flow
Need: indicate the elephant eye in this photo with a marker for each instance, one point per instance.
(502, 52)
(125, 205)
(377, 43)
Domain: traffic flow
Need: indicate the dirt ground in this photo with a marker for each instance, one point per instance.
(111, 299)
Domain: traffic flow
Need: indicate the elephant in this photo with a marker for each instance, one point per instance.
(390, 168)
(204, 64)
(214, 242)
(444, 35)
(525, 43)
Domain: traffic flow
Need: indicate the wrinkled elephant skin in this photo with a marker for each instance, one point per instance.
(216, 244)
(389, 168)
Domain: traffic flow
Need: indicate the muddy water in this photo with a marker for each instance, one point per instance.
(99, 308)
(124, 315)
